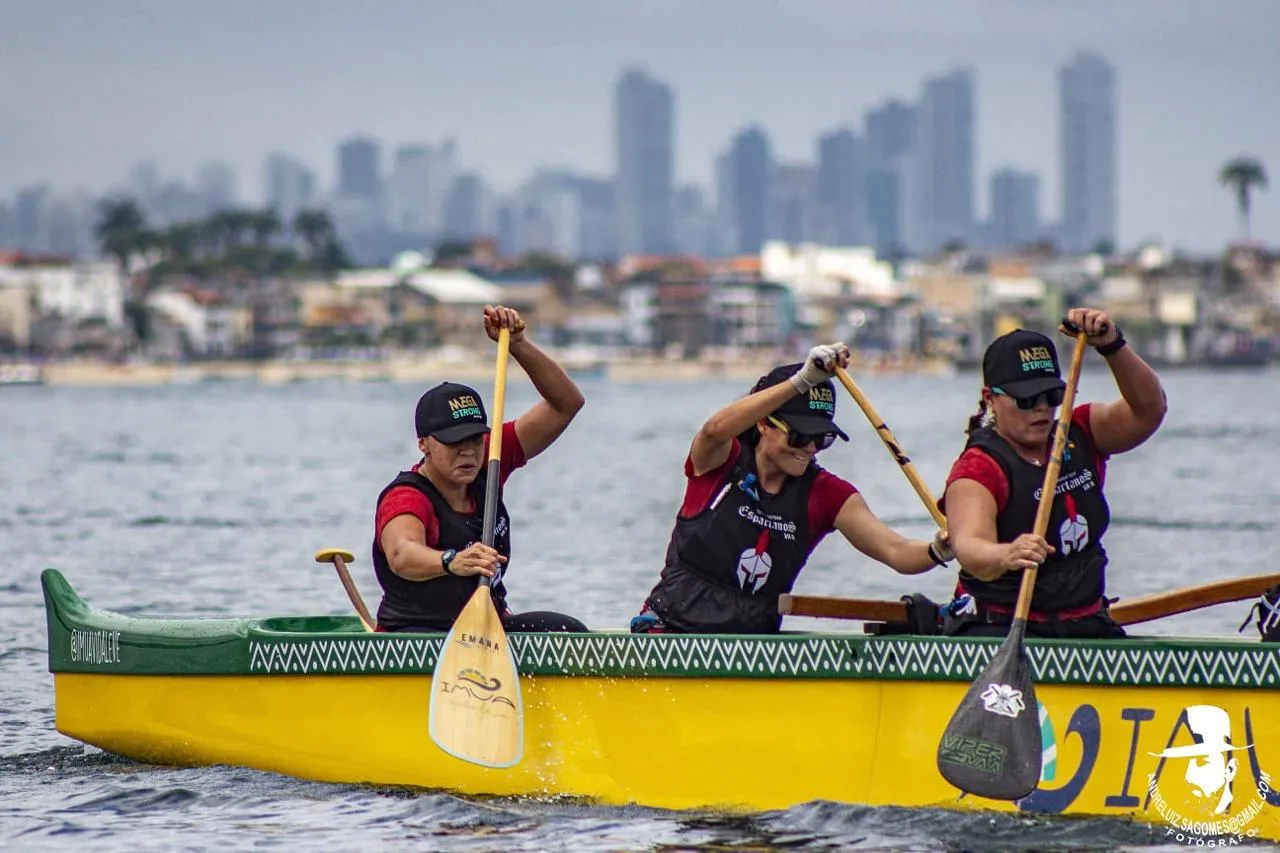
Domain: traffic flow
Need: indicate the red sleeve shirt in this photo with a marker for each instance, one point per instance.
(825, 499)
(976, 464)
(406, 500)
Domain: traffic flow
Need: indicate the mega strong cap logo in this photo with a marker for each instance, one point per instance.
(822, 400)
(1036, 359)
(465, 406)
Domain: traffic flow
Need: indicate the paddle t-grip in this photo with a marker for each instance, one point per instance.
(1070, 328)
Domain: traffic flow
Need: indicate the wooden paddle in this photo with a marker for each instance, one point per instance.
(340, 558)
(991, 747)
(476, 713)
(895, 449)
(1145, 608)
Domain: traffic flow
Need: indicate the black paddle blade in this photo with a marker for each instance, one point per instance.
(991, 747)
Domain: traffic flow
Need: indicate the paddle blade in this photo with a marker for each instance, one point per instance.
(476, 712)
(991, 748)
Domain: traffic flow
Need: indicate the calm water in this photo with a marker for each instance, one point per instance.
(211, 499)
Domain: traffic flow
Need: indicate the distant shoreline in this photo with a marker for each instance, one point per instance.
(98, 374)
(427, 370)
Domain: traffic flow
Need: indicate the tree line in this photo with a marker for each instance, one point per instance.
(241, 241)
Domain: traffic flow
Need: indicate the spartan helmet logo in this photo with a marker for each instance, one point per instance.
(1210, 768)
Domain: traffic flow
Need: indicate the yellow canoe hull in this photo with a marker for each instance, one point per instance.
(730, 743)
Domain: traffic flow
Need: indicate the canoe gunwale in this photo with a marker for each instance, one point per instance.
(286, 645)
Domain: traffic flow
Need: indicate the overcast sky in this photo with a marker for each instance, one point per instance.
(88, 87)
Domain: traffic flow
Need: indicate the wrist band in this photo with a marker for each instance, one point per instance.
(935, 556)
(1113, 347)
(446, 558)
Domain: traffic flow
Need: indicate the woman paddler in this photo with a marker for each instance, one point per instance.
(994, 487)
(427, 549)
(757, 503)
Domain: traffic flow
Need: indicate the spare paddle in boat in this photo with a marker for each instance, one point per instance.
(340, 557)
(991, 747)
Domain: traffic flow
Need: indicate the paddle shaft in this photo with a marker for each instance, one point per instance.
(492, 485)
(1049, 490)
(895, 449)
(1134, 611)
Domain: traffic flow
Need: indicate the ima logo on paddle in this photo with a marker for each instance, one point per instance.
(469, 678)
(754, 565)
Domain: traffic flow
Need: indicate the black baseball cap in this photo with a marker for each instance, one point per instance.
(451, 412)
(809, 414)
(1022, 364)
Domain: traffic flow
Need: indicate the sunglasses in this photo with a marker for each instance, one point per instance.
(1053, 398)
(821, 441)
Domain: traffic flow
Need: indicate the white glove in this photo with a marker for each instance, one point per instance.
(821, 363)
(940, 548)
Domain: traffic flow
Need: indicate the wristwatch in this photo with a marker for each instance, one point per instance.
(446, 558)
(1113, 347)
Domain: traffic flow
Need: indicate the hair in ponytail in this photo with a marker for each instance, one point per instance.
(981, 418)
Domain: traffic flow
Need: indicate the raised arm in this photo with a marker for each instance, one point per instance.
(561, 398)
(711, 445)
(1128, 422)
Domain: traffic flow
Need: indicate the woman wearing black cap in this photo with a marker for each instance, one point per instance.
(994, 487)
(757, 503)
(427, 551)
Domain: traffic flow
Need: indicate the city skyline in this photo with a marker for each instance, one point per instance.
(1166, 190)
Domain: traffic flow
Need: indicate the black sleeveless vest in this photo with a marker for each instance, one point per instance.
(1074, 575)
(727, 565)
(436, 603)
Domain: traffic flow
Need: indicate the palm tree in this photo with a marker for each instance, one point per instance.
(264, 224)
(1243, 174)
(120, 229)
(315, 228)
(181, 243)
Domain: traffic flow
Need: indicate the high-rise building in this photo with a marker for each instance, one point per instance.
(644, 137)
(442, 173)
(552, 219)
(599, 218)
(408, 191)
(750, 177)
(359, 172)
(216, 186)
(289, 186)
(793, 209)
(841, 192)
(465, 208)
(1015, 209)
(939, 188)
(1087, 95)
(890, 135)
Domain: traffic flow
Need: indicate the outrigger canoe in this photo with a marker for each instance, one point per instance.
(737, 723)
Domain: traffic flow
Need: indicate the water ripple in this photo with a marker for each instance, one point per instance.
(225, 523)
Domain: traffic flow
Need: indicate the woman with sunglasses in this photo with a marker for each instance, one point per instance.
(757, 503)
(994, 487)
(427, 549)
